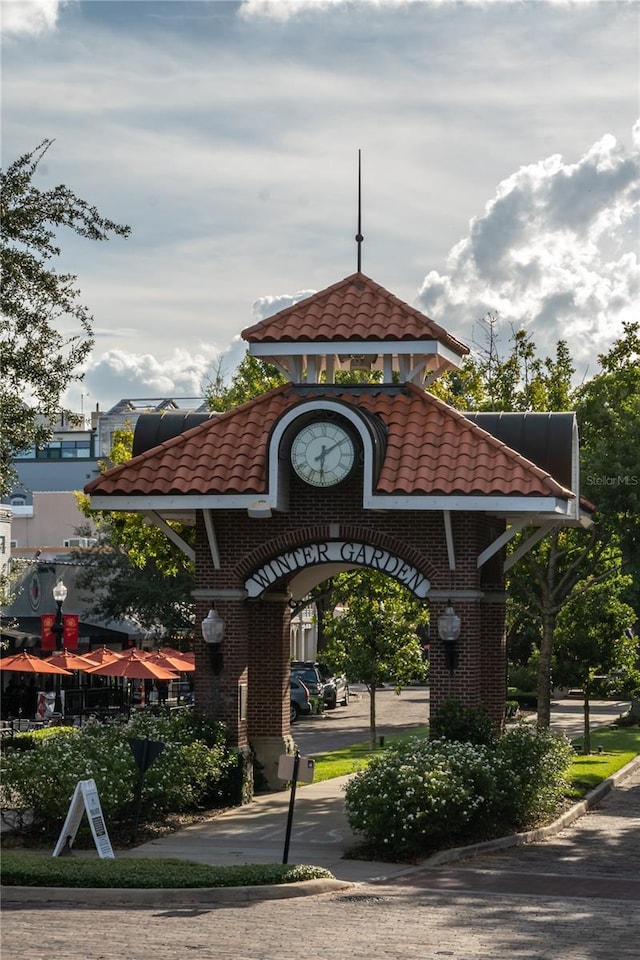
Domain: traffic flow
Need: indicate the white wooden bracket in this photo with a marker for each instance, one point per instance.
(157, 521)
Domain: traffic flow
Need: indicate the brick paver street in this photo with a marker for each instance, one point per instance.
(424, 915)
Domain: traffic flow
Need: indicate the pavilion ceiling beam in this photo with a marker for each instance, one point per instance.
(156, 520)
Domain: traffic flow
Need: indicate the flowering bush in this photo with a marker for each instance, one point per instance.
(419, 794)
(423, 794)
(194, 768)
(534, 763)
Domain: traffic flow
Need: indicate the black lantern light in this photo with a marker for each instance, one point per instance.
(212, 633)
(449, 631)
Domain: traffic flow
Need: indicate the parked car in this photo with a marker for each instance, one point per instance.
(322, 682)
(336, 687)
(310, 676)
(300, 702)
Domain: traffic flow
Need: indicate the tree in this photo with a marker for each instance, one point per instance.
(252, 378)
(567, 563)
(608, 409)
(517, 380)
(594, 647)
(46, 331)
(135, 570)
(374, 635)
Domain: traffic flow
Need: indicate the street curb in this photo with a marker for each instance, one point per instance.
(591, 799)
(174, 896)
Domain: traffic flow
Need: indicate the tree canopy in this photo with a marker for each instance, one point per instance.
(135, 570)
(372, 633)
(46, 331)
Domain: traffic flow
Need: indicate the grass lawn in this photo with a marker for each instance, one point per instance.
(339, 763)
(619, 747)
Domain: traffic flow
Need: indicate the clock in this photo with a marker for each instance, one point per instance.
(323, 453)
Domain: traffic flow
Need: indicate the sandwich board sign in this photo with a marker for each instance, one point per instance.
(85, 799)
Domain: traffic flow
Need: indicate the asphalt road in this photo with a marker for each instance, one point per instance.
(394, 713)
(351, 724)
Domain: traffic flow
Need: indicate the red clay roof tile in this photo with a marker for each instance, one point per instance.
(431, 449)
(355, 309)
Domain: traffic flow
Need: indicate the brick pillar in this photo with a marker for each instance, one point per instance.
(494, 658)
(269, 697)
(221, 688)
(479, 677)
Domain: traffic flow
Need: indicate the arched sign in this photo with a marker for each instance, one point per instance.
(338, 551)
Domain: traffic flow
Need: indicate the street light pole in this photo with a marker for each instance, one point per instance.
(59, 595)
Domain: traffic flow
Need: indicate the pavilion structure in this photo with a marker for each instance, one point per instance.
(317, 477)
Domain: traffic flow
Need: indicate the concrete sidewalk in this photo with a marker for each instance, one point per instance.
(320, 834)
(256, 833)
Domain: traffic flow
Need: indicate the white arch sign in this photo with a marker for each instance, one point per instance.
(338, 551)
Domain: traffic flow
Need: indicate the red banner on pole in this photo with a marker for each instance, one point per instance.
(47, 639)
(71, 633)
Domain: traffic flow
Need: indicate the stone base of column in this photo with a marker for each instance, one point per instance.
(268, 751)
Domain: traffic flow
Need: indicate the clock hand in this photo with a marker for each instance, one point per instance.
(331, 449)
(321, 457)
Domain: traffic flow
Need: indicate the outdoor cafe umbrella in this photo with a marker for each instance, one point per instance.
(102, 655)
(70, 661)
(182, 654)
(172, 662)
(133, 667)
(27, 663)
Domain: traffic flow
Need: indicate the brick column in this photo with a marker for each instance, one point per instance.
(269, 696)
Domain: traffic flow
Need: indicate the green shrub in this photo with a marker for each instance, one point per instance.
(194, 769)
(536, 762)
(317, 705)
(453, 721)
(511, 709)
(523, 676)
(34, 870)
(412, 798)
(425, 794)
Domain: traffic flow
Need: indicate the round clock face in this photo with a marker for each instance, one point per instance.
(323, 453)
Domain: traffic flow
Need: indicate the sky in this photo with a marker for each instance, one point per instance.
(500, 148)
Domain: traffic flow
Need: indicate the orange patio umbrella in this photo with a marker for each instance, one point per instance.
(134, 667)
(172, 662)
(70, 661)
(134, 652)
(102, 655)
(182, 654)
(27, 663)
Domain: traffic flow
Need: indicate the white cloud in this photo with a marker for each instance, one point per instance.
(266, 306)
(551, 252)
(287, 9)
(118, 374)
(29, 16)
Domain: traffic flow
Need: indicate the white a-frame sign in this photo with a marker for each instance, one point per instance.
(85, 797)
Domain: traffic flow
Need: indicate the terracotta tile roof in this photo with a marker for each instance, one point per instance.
(226, 454)
(431, 449)
(355, 309)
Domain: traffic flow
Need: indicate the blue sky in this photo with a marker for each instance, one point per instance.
(500, 146)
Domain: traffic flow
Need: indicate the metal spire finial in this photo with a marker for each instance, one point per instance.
(359, 237)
